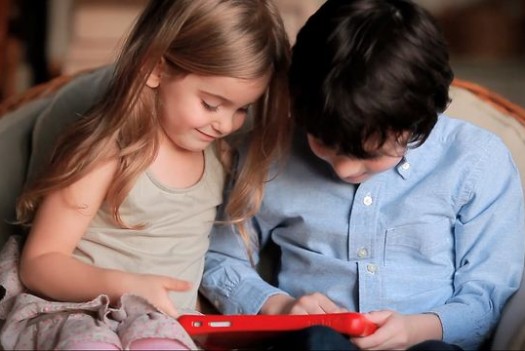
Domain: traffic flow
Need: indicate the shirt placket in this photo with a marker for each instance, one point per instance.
(364, 245)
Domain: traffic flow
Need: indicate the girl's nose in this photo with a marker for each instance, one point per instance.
(229, 123)
(223, 125)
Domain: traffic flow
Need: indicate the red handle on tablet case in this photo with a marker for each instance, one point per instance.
(224, 330)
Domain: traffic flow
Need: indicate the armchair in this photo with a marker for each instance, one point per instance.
(29, 125)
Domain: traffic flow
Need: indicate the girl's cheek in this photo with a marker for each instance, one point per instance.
(238, 122)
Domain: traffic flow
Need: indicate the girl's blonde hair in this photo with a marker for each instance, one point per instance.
(236, 38)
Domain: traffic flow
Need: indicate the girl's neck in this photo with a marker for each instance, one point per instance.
(176, 167)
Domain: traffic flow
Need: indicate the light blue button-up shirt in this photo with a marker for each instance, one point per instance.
(442, 232)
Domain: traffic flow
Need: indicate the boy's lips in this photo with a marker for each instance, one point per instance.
(356, 179)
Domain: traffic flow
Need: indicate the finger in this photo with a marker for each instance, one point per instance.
(308, 309)
(328, 306)
(315, 303)
(370, 342)
(177, 285)
(299, 309)
(169, 309)
(378, 317)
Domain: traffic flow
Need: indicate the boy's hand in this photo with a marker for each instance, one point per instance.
(315, 303)
(398, 332)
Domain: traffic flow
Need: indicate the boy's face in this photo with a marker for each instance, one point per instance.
(353, 170)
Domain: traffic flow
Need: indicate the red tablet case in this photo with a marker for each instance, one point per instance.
(241, 331)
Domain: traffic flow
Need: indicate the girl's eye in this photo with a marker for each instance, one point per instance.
(209, 107)
(244, 110)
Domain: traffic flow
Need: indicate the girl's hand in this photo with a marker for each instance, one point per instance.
(156, 288)
(315, 303)
(398, 332)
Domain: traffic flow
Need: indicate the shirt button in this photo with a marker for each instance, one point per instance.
(368, 200)
(362, 252)
(371, 268)
(405, 166)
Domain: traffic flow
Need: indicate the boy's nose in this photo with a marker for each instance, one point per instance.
(348, 168)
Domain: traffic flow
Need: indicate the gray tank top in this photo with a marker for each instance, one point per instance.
(175, 237)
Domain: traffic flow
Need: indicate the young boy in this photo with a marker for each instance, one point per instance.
(385, 206)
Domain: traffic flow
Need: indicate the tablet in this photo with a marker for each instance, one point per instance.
(242, 331)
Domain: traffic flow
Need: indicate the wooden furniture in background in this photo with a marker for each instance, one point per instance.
(10, 52)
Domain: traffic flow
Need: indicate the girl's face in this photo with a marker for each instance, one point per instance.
(195, 110)
(353, 170)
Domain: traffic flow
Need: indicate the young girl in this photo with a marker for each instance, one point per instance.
(120, 219)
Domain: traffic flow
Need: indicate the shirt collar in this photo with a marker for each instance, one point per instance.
(404, 167)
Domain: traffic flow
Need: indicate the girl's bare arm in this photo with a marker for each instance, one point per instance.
(47, 266)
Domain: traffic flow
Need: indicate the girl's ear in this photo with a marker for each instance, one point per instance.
(155, 75)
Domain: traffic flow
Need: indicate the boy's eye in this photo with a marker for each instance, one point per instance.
(209, 107)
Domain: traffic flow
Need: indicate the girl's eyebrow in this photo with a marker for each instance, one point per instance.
(222, 98)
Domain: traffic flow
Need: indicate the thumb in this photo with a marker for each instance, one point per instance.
(378, 317)
(170, 310)
(174, 284)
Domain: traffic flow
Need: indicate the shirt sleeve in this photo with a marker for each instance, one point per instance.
(489, 240)
(230, 281)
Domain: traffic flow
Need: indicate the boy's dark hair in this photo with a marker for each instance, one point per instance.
(366, 69)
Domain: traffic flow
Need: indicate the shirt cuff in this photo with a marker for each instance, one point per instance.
(249, 296)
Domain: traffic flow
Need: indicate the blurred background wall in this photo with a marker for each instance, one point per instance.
(44, 38)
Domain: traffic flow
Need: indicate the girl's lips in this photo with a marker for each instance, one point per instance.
(207, 136)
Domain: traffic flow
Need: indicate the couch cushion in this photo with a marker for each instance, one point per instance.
(28, 135)
(67, 105)
(15, 146)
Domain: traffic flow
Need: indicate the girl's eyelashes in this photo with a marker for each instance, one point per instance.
(209, 107)
(245, 109)
(212, 108)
